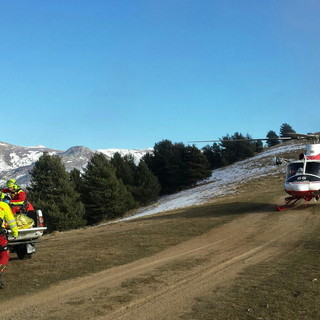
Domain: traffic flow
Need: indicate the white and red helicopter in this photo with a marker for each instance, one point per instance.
(303, 175)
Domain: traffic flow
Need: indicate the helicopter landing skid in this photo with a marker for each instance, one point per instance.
(288, 203)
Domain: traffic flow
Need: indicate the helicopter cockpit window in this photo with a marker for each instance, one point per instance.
(313, 168)
(294, 168)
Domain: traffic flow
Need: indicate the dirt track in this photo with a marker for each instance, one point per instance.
(166, 285)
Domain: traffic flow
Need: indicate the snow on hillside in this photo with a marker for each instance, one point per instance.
(38, 146)
(222, 182)
(28, 158)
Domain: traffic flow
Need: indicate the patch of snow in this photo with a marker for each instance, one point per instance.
(4, 166)
(36, 147)
(136, 153)
(27, 160)
(277, 150)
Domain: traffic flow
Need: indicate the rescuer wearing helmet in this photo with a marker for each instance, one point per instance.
(6, 216)
(18, 197)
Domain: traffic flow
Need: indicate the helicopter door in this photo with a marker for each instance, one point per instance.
(313, 168)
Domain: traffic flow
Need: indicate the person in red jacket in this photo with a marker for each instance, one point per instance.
(18, 198)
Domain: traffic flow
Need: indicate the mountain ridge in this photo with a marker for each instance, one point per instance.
(17, 161)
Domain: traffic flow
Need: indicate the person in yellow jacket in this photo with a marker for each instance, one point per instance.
(18, 197)
(6, 216)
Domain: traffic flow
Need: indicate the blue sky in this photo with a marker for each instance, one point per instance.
(128, 74)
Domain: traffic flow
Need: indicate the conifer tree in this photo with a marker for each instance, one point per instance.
(166, 164)
(177, 166)
(235, 150)
(75, 177)
(125, 168)
(285, 130)
(257, 146)
(104, 196)
(215, 156)
(52, 191)
(195, 166)
(138, 179)
(272, 135)
(146, 186)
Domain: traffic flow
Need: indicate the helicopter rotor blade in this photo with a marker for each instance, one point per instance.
(308, 136)
(238, 140)
(295, 135)
(289, 136)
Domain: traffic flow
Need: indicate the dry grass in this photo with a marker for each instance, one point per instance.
(287, 288)
(283, 289)
(66, 255)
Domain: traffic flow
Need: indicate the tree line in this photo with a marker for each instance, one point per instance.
(106, 189)
(230, 150)
(285, 131)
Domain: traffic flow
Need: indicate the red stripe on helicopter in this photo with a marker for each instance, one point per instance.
(302, 194)
(317, 157)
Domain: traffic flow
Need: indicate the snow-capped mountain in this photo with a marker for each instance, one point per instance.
(17, 161)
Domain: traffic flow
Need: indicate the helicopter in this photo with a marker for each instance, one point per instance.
(303, 175)
(302, 180)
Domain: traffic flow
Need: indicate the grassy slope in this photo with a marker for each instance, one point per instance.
(282, 289)
(67, 255)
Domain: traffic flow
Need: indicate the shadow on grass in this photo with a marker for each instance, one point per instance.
(217, 210)
(303, 205)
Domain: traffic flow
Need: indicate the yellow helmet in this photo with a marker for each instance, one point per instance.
(11, 183)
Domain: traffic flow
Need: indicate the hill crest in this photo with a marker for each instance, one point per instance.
(17, 161)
